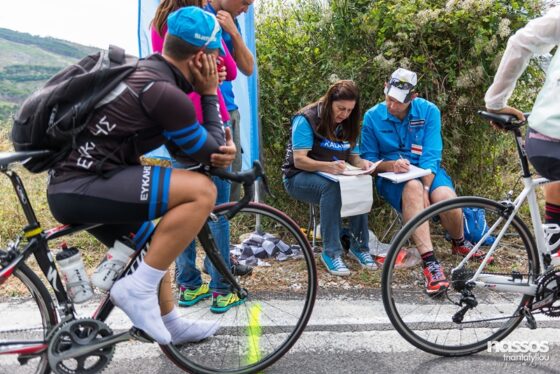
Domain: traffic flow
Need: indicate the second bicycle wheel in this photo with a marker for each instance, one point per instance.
(28, 315)
(433, 324)
(281, 294)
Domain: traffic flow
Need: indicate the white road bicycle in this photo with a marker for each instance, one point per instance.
(485, 300)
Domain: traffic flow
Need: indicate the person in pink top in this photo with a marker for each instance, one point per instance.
(192, 288)
(158, 31)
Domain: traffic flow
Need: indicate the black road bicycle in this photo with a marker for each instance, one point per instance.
(47, 335)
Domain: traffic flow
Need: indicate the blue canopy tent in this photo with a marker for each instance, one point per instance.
(245, 88)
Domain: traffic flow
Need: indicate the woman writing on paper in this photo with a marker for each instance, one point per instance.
(325, 137)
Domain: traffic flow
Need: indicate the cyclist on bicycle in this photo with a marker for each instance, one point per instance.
(543, 136)
(102, 181)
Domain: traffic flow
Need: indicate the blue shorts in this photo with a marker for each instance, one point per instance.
(392, 192)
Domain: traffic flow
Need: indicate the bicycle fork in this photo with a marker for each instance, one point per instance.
(209, 245)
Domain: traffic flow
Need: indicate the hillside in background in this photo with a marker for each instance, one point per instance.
(27, 61)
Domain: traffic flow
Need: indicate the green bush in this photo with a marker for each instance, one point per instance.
(454, 46)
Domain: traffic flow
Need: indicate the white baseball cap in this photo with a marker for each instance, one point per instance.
(400, 84)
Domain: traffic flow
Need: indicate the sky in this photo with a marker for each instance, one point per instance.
(96, 23)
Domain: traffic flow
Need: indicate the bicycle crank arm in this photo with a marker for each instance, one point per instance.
(99, 344)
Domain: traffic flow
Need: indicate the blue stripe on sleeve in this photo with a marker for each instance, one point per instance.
(182, 131)
(165, 195)
(195, 148)
(154, 193)
(184, 140)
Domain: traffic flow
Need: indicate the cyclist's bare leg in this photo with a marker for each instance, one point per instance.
(452, 220)
(552, 193)
(412, 204)
(191, 199)
(166, 299)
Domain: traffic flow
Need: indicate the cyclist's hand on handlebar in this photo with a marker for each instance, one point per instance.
(507, 110)
(227, 153)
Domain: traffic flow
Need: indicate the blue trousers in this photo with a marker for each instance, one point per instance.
(187, 274)
(315, 189)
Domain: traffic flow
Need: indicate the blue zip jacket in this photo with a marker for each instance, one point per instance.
(417, 137)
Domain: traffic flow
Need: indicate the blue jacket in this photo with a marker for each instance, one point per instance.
(417, 137)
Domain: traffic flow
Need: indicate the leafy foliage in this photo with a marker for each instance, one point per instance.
(453, 45)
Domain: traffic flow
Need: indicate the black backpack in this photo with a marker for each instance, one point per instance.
(54, 115)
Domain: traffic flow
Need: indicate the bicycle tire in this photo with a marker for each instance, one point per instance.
(36, 316)
(280, 299)
(426, 322)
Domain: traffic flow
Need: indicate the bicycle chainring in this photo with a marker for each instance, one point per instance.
(74, 335)
(549, 287)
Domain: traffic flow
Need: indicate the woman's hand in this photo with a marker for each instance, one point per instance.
(335, 167)
(205, 73)
(366, 164)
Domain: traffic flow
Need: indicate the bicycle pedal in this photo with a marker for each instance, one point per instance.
(140, 335)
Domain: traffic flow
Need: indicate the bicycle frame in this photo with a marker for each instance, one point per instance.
(38, 246)
(503, 283)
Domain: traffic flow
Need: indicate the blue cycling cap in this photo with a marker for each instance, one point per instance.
(196, 27)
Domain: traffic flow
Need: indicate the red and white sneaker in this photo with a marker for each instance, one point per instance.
(464, 250)
(436, 282)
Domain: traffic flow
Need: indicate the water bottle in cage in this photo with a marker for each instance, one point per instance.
(74, 274)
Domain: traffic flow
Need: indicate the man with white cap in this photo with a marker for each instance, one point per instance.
(405, 130)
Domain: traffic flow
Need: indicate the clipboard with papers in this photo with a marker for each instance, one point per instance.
(412, 173)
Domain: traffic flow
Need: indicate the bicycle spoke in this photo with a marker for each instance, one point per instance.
(427, 322)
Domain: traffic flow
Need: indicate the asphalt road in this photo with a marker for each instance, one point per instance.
(347, 334)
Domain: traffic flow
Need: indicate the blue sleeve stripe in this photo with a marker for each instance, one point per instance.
(165, 195)
(195, 148)
(182, 131)
(154, 193)
(181, 141)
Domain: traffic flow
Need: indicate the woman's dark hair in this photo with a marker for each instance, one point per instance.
(341, 90)
(166, 7)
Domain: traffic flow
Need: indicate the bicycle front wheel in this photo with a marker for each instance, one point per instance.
(23, 345)
(281, 294)
(433, 324)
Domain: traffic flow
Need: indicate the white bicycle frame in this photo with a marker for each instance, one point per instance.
(505, 283)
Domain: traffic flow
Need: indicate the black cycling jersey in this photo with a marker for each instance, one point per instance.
(102, 180)
(142, 113)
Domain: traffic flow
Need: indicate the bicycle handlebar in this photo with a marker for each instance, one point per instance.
(247, 178)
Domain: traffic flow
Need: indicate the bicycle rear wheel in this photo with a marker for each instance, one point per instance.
(427, 322)
(255, 334)
(23, 345)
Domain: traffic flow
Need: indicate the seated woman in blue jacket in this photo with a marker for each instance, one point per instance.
(324, 137)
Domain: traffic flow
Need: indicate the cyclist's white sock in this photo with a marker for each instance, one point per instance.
(136, 295)
(184, 330)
